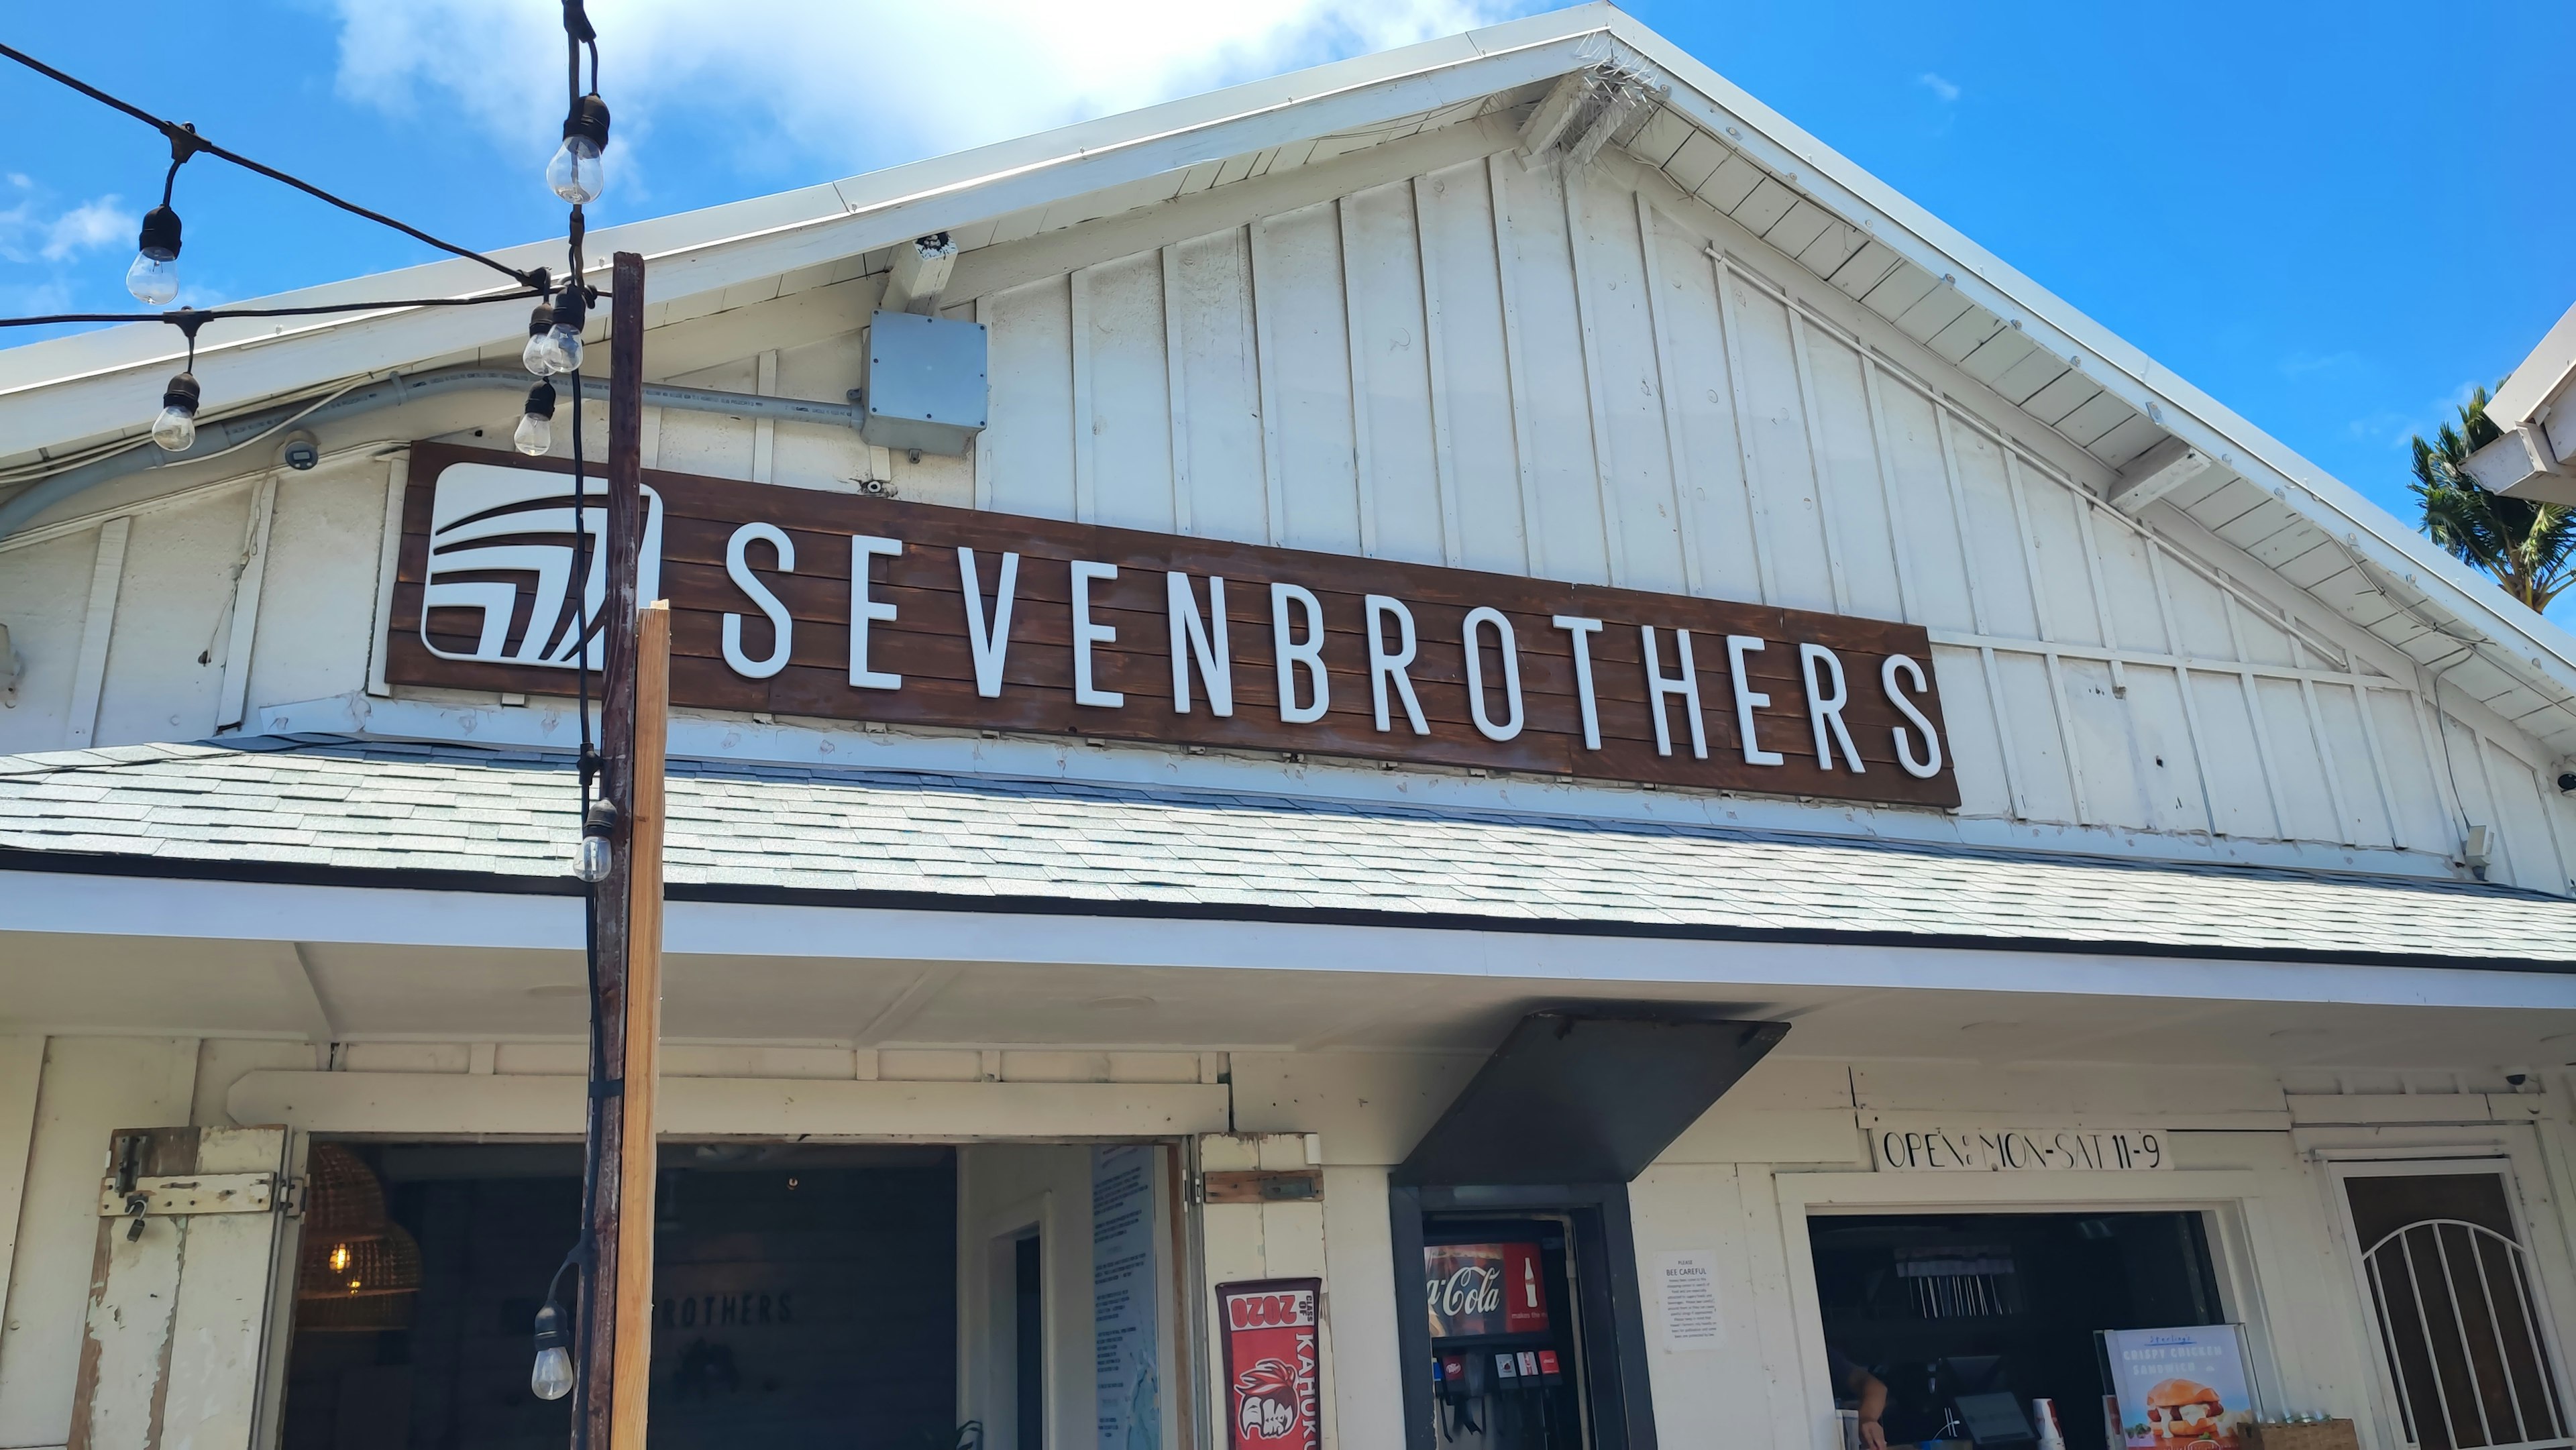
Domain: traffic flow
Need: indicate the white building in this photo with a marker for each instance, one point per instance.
(2207, 908)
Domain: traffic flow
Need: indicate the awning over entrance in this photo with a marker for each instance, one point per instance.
(338, 811)
(1587, 1096)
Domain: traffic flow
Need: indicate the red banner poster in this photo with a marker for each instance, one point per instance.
(1481, 1289)
(1270, 1336)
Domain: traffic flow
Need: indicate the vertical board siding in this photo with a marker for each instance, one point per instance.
(1716, 507)
(1030, 469)
(1639, 514)
(1464, 302)
(1129, 414)
(1554, 398)
(1391, 367)
(1211, 310)
(1521, 369)
(1306, 372)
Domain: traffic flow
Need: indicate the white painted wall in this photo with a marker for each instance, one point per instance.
(1002, 1189)
(1428, 353)
(1788, 1141)
(90, 1087)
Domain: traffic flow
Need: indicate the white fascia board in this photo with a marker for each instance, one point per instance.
(1841, 185)
(2541, 377)
(74, 904)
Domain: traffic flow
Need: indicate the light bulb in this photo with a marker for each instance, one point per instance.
(538, 355)
(176, 429)
(536, 434)
(153, 279)
(575, 173)
(594, 859)
(563, 344)
(339, 1258)
(551, 1377)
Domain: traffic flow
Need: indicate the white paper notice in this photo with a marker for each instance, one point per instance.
(1689, 1279)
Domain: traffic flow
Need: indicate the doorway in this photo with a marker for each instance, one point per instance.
(1956, 1318)
(994, 1296)
(2464, 1332)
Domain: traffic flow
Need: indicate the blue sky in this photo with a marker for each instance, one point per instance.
(2333, 218)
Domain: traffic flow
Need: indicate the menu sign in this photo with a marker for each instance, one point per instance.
(1270, 1329)
(1481, 1289)
(794, 601)
(2180, 1389)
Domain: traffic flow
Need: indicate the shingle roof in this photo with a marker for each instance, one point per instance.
(345, 809)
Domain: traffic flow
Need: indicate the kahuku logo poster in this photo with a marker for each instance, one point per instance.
(2180, 1389)
(1270, 1329)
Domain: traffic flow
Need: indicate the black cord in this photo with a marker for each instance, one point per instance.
(191, 316)
(185, 142)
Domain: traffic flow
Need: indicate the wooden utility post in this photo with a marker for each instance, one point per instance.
(616, 1324)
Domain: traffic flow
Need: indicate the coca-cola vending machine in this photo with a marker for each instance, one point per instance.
(1503, 1357)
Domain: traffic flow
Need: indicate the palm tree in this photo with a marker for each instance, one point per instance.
(2528, 548)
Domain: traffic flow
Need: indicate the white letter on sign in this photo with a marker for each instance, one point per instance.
(782, 629)
(1685, 685)
(1385, 666)
(1292, 655)
(1825, 705)
(1086, 634)
(1192, 635)
(1887, 673)
(1746, 698)
(990, 644)
(865, 611)
(1502, 627)
(1582, 629)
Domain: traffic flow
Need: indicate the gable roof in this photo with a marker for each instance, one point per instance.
(2065, 373)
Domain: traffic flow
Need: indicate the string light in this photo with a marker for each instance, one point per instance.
(176, 429)
(535, 436)
(563, 334)
(575, 173)
(154, 277)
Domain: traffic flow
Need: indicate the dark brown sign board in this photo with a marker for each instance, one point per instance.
(996, 622)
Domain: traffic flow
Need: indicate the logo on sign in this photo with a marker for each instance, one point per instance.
(1270, 1335)
(1478, 1289)
(501, 563)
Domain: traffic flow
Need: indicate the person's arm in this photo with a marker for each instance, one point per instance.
(1873, 1404)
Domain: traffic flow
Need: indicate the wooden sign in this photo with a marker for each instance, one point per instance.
(964, 618)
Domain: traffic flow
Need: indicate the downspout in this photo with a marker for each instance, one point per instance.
(395, 390)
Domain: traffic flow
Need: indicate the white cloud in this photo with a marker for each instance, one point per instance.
(90, 225)
(1939, 85)
(853, 86)
(29, 234)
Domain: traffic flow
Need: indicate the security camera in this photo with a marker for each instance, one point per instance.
(2516, 1079)
(299, 451)
(2567, 782)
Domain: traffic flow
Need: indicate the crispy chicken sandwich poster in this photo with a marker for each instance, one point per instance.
(2180, 1389)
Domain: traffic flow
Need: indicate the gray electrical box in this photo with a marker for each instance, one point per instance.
(925, 383)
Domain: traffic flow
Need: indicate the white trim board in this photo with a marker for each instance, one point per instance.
(75, 904)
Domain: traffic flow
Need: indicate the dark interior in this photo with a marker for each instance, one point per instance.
(807, 1296)
(2000, 1309)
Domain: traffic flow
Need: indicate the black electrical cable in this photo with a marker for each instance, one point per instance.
(184, 317)
(184, 141)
